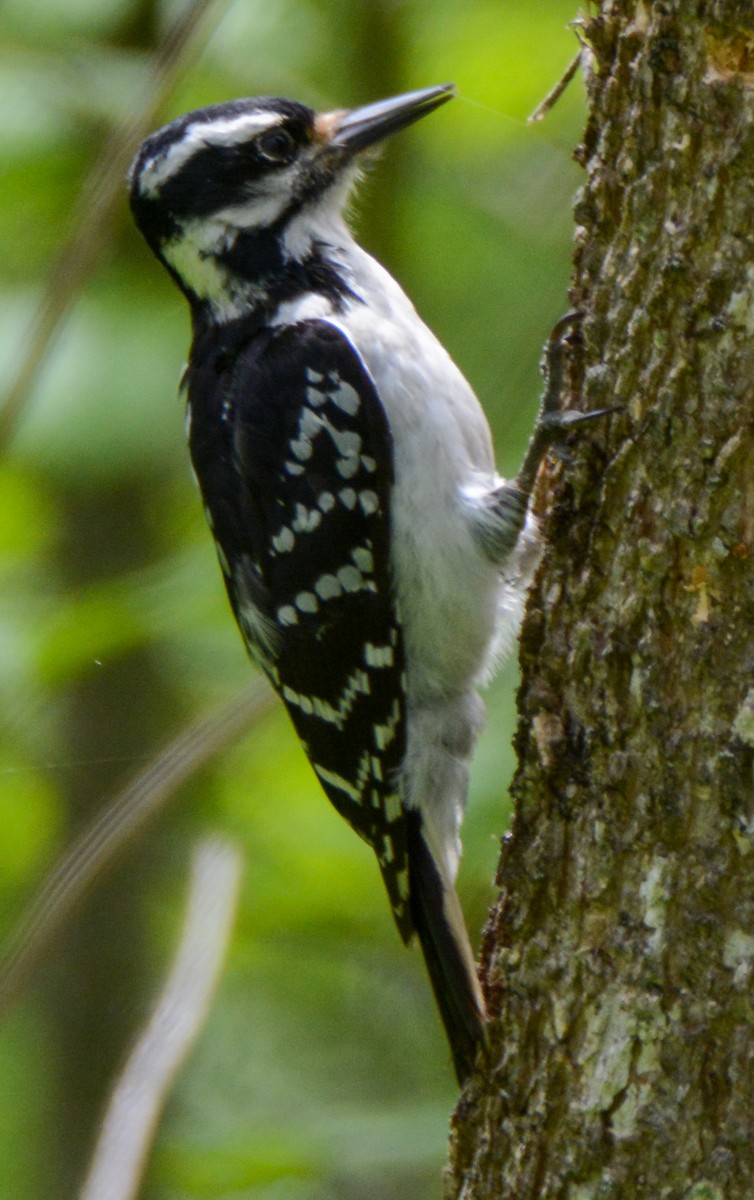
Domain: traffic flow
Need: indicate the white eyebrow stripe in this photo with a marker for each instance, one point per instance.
(224, 131)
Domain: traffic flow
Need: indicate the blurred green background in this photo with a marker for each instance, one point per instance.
(322, 1073)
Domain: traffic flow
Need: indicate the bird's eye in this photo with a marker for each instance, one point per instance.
(277, 146)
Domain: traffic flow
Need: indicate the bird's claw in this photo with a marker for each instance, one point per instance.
(554, 423)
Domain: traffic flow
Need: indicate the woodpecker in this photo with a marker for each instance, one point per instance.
(376, 563)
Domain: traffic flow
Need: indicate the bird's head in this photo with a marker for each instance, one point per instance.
(227, 195)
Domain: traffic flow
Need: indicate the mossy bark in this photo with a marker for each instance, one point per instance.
(619, 960)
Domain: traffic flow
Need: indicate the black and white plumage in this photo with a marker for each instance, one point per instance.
(375, 562)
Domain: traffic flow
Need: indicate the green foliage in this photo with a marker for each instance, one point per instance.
(322, 1073)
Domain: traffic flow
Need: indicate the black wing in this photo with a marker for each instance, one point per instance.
(294, 458)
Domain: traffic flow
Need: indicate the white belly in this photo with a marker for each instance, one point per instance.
(458, 610)
(448, 592)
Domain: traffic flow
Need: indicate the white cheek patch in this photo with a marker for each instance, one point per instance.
(223, 132)
(259, 210)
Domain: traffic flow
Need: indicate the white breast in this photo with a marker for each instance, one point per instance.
(458, 610)
(448, 592)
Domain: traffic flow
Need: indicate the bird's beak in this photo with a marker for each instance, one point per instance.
(352, 130)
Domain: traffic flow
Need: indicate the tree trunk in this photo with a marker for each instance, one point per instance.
(618, 961)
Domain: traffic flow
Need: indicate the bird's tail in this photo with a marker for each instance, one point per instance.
(439, 924)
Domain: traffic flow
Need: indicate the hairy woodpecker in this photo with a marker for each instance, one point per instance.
(375, 562)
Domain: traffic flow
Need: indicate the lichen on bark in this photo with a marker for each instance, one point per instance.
(618, 960)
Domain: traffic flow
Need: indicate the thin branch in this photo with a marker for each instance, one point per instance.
(116, 824)
(141, 1091)
(100, 195)
(554, 94)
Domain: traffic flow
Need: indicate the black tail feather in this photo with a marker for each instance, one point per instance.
(445, 944)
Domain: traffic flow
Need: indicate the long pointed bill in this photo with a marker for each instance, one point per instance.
(362, 127)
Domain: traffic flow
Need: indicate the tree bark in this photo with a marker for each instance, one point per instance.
(618, 960)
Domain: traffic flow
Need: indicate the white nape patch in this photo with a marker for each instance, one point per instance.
(222, 132)
(195, 263)
(287, 615)
(284, 540)
(347, 497)
(378, 656)
(328, 588)
(307, 602)
(195, 254)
